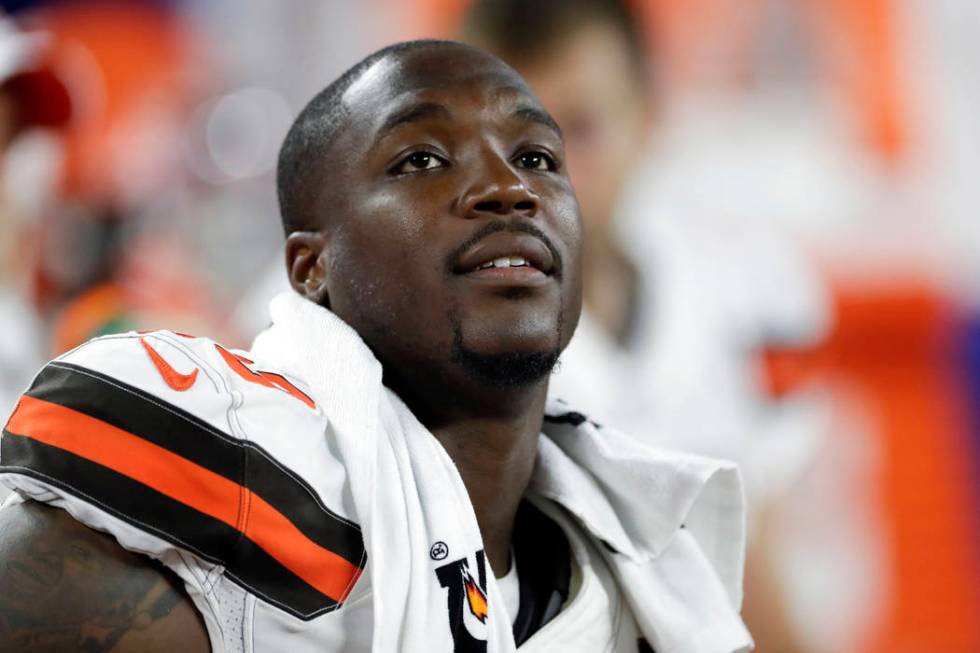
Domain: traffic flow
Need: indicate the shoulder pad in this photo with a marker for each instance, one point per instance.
(163, 431)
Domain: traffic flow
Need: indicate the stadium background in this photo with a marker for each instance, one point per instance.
(145, 198)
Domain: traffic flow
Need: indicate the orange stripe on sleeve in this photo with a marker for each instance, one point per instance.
(323, 569)
(132, 456)
(188, 483)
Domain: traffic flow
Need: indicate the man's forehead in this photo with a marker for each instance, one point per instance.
(396, 82)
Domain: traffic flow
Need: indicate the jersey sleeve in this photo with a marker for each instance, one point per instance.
(144, 436)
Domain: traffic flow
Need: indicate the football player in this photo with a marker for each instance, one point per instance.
(380, 471)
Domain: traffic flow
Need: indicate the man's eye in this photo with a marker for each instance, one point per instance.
(418, 161)
(536, 161)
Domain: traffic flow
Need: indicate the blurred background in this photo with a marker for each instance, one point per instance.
(782, 266)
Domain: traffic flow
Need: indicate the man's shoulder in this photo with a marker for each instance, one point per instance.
(183, 394)
(166, 440)
(188, 371)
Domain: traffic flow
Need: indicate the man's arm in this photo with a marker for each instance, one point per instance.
(66, 587)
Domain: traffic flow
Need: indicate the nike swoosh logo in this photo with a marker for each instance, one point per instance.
(174, 379)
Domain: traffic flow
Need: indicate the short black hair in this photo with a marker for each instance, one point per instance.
(314, 131)
(520, 30)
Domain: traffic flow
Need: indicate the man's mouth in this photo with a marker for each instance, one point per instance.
(507, 255)
(511, 270)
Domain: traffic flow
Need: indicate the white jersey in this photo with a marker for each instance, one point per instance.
(188, 453)
(226, 470)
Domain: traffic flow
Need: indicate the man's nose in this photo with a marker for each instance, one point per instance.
(498, 190)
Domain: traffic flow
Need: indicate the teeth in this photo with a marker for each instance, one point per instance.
(505, 262)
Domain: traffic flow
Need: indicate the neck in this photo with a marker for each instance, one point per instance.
(494, 445)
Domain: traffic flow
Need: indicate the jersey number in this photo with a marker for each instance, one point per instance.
(239, 364)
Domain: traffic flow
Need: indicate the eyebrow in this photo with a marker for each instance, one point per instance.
(413, 113)
(534, 114)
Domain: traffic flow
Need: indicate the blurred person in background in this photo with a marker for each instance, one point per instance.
(31, 97)
(116, 246)
(675, 320)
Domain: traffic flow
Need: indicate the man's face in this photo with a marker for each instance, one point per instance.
(589, 84)
(449, 172)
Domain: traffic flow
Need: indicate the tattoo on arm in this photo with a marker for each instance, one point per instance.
(64, 587)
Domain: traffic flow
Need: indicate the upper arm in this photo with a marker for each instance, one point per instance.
(66, 587)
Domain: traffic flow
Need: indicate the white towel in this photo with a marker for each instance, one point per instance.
(683, 583)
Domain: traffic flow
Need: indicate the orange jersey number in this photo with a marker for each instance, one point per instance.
(268, 379)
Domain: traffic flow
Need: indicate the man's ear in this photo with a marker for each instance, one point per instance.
(307, 266)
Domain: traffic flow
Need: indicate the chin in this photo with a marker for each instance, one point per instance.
(509, 355)
(508, 335)
(513, 369)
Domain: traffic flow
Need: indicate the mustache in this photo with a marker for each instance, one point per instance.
(496, 226)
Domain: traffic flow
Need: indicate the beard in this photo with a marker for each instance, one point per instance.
(505, 369)
(508, 369)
